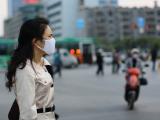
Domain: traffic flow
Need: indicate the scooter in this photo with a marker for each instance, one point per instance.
(132, 86)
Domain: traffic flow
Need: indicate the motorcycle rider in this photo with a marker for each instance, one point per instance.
(133, 61)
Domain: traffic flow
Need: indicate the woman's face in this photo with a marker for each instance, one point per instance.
(46, 36)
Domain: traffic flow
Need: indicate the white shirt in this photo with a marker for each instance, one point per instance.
(33, 90)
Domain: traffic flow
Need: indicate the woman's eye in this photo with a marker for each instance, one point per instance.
(51, 36)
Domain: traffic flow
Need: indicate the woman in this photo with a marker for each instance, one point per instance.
(32, 83)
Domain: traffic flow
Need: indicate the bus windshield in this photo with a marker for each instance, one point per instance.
(6, 49)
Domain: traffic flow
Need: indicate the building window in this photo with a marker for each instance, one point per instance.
(110, 13)
(81, 2)
(101, 34)
(54, 14)
(125, 13)
(158, 12)
(57, 28)
(56, 21)
(150, 13)
(55, 5)
(100, 13)
(102, 20)
(102, 2)
(127, 33)
(58, 35)
(125, 19)
(110, 21)
(126, 27)
(150, 19)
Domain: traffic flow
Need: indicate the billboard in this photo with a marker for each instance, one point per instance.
(141, 22)
(80, 23)
(31, 1)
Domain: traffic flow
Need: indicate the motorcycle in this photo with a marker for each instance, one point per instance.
(132, 86)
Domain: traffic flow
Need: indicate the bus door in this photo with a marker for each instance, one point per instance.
(87, 53)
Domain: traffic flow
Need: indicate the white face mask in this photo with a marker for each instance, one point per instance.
(49, 46)
(135, 56)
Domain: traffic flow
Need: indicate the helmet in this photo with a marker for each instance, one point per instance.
(135, 51)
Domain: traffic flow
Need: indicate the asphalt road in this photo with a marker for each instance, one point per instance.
(81, 95)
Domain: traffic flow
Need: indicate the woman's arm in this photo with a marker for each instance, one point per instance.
(25, 91)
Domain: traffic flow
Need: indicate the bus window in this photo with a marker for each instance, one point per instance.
(3, 49)
(6, 49)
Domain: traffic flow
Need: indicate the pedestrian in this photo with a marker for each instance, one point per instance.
(57, 62)
(27, 74)
(99, 63)
(116, 62)
(154, 53)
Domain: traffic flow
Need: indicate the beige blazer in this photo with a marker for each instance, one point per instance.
(33, 91)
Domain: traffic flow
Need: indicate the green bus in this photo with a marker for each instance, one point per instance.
(6, 49)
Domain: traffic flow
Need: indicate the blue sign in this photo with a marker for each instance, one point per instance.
(141, 22)
(80, 24)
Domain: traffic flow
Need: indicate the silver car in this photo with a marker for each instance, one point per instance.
(68, 60)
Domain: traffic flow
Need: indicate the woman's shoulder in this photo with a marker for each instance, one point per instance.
(25, 74)
(27, 69)
(46, 62)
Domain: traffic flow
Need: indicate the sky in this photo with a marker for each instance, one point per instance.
(3, 14)
(126, 3)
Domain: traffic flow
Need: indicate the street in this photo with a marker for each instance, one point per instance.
(81, 95)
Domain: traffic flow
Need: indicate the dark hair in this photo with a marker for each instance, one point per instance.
(30, 29)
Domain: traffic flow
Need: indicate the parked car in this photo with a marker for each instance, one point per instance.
(107, 57)
(123, 57)
(67, 59)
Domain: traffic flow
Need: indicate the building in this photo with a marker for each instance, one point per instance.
(139, 22)
(88, 18)
(102, 22)
(14, 5)
(113, 23)
(64, 15)
(12, 25)
(95, 3)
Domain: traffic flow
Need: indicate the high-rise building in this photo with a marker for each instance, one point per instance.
(14, 5)
(12, 24)
(112, 23)
(64, 14)
(95, 3)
